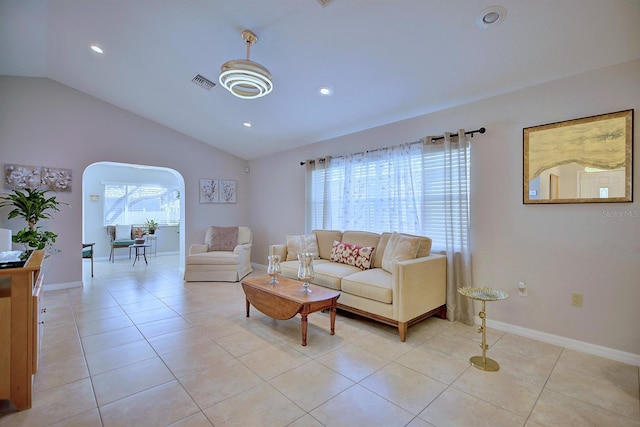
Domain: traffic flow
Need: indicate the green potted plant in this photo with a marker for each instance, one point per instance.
(32, 205)
(151, 226)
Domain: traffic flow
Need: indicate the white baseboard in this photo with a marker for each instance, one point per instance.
(60, 286)
(596, 350)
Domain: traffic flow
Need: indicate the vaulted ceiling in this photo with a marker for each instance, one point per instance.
(386, 60)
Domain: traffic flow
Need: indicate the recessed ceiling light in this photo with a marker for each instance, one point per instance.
(491, 16)
(97, 49)
(246, 124)
(325, 90)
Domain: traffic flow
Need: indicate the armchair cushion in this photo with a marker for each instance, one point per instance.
(221, 238)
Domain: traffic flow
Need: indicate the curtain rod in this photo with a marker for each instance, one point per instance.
(435, 138)
(454, 134)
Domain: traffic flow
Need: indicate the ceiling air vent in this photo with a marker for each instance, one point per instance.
(203, 82)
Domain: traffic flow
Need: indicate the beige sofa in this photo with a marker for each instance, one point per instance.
(411, 287)
(220, 259)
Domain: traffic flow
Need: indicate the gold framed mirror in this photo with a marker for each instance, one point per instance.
(586, 160)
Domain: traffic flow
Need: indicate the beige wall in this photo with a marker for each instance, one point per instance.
(45, 123)
(588, 248)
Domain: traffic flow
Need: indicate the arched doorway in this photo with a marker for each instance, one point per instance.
(94, 179)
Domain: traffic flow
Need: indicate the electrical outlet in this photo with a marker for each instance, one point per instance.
(522, 289)
(576, 299)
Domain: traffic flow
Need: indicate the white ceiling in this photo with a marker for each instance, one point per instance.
(386, 60)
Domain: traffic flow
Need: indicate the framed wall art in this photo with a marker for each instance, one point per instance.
(37, 177)
(586, 160)
(217, 191)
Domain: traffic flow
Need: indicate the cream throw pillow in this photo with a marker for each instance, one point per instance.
(123, 232)
(300, 244)
(400, 248)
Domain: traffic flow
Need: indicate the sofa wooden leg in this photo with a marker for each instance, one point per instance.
(443, 312)
(402, 330)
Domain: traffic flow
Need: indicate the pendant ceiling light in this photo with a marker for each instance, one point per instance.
(244, 78)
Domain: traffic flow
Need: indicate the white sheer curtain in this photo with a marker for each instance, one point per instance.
(374, 191)
(378, 192)
(456, 224)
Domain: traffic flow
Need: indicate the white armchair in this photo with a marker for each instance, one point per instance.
(222, 258)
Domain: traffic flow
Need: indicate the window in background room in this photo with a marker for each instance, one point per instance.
(135, 203)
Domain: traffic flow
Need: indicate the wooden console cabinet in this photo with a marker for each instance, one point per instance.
(20, 329)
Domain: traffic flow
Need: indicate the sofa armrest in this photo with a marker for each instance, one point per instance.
(280, 249)
(419, 286)
(198, 249)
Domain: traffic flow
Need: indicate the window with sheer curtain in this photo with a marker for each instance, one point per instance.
(403, 188)
(135, 203)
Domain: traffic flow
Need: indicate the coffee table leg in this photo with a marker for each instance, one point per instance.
(303, 325)
(333, 319)
(144, 253)
(248, 305)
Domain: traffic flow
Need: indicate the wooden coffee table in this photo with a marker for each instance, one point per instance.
(284, 300)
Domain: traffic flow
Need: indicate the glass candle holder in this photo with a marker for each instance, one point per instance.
(305, 270)
(273, 269)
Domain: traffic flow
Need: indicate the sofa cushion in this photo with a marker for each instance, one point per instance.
(325, 241)
(425, 246)
(346, 253)
(330, 274)
(360, 238)
(400, 247)
(379, 252)
(213, 258)
(221, 238)
(327, 274)
(374, 284)
(301, 244)
(290, 268)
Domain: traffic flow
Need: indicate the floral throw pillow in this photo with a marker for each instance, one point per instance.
(346, 253)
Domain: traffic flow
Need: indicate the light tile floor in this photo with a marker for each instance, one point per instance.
(136, 346)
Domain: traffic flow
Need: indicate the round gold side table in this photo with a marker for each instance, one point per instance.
(483, 294)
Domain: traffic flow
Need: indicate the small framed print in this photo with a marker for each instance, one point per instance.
(227, 191)
(209, 191)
